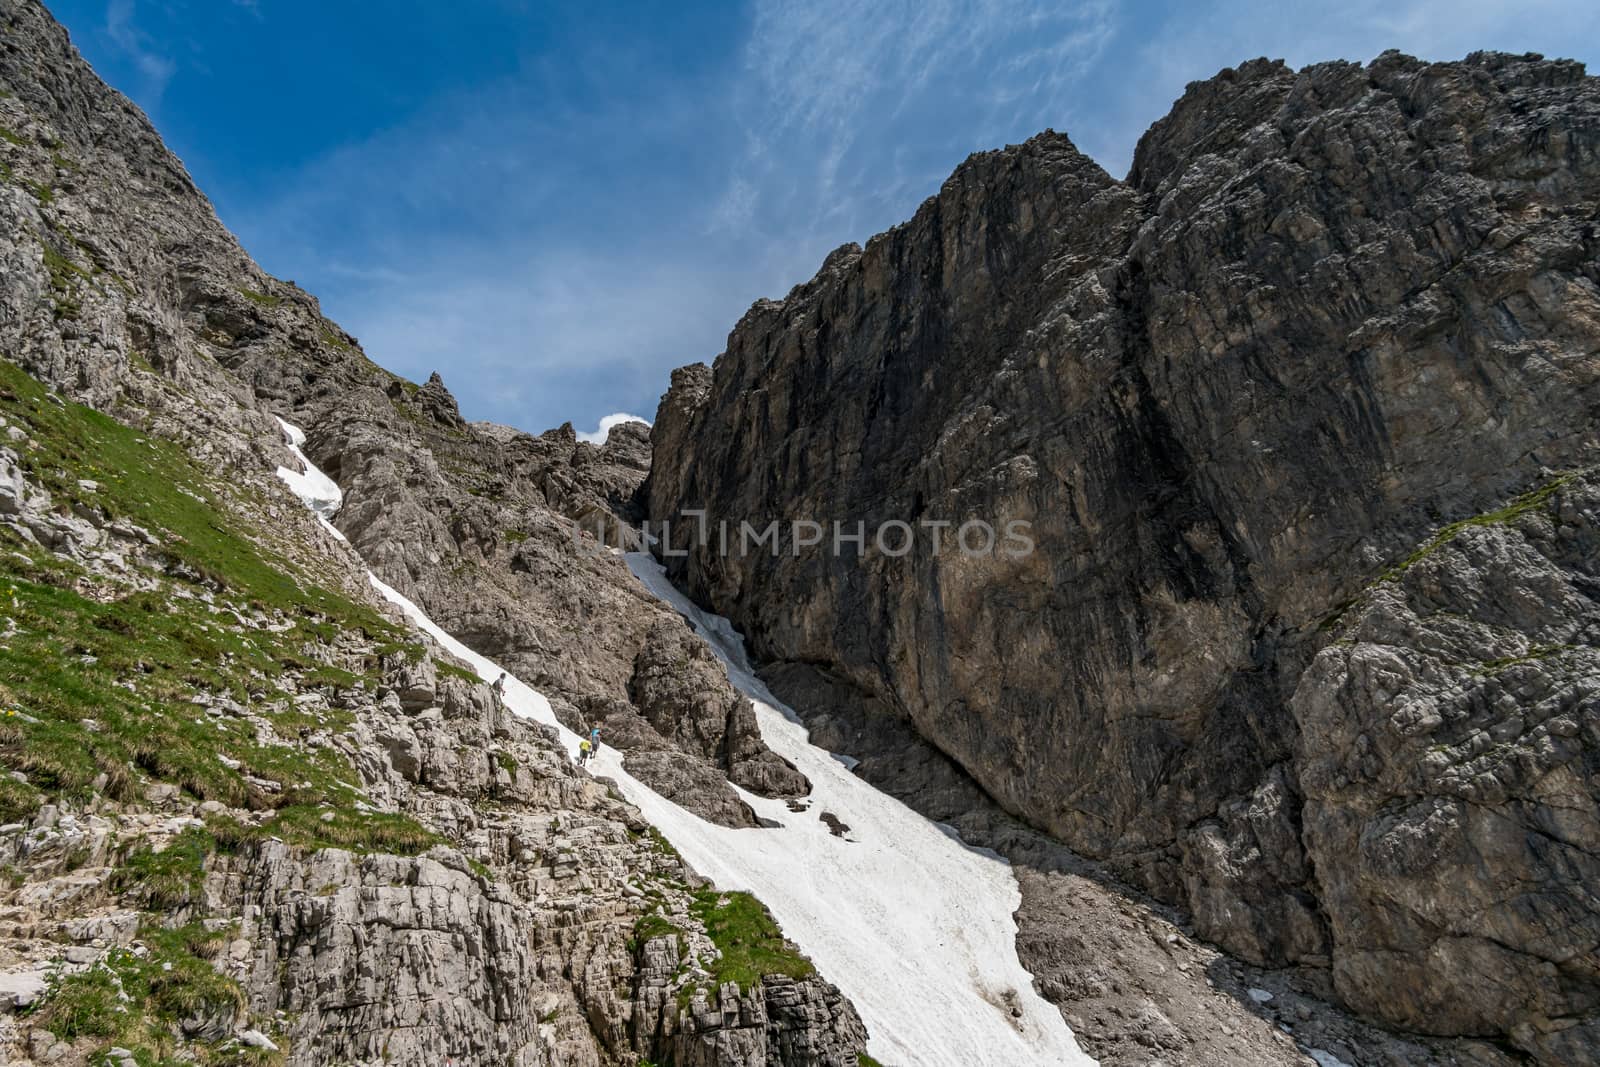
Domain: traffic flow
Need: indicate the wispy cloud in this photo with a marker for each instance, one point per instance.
(852, 110)
(154, 68)
(534, 340)
(556, 241)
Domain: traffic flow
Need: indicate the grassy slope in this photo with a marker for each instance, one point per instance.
(99, 683)
(98, 686)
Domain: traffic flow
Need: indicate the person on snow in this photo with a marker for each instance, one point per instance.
(594, 739)
(585, 750)
(499, 689)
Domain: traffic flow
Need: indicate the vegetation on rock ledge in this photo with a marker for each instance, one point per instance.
(748, 940)
(104, 686)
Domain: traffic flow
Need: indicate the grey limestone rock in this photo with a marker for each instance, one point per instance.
(1328, 313)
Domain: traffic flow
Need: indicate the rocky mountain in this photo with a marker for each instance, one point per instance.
(1301, 664)
(248, 813)
(1302, 418)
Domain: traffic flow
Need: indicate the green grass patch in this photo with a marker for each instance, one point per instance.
(11, 136)
(353, 830)
(168, 879)
(192, 986)
(305, 827)
(100, 693)
(324, 676)
(747, 938)
(660, 845)
(88, 1004)
(18, 801)
(415, 417)
(413, 651)
(863, 1060)
(157, 485)
(64, 278)
(1521, 505)
(266, 300)
(334, 338)
(66, 671)
(1533, 655)
(450, 670)
(651, 926)
(139, 1001)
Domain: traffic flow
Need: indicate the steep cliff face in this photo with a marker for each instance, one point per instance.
(243, 804)
(1328, 312)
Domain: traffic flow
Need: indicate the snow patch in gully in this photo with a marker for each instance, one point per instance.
(319, 492)
(913, 926)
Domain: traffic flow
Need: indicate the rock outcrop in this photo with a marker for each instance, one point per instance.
(1328, 313)
(357, 855)
(1449, 760)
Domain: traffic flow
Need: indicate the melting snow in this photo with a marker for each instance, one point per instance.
(913, 926)
(319, 492)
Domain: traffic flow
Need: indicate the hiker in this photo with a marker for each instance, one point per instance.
(499, 689)
(594, 740)
(585, 750)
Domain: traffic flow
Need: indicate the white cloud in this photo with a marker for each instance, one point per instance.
(598, 437)
(556, 252)
(736, 207)
(155, 68)
(833, 91)
(524, 338)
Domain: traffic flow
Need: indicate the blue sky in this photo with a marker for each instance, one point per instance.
(554, 204)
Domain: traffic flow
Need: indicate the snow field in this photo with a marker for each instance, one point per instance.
(913, 926)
